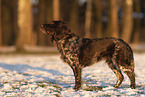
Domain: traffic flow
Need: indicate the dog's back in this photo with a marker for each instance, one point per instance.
(105, 48)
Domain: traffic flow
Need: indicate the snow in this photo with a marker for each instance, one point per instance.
(47, 76)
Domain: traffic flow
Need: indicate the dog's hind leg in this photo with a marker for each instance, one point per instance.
(131, 76)
(129, 71)
(117, 71)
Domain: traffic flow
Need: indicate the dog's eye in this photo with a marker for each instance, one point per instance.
(52, 23)
(59, 26)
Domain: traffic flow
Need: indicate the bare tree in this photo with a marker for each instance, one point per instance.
(14, 24)
(24, 24)
(127, 20)
(6, 20)
(88, 17)
(74, 24)
(56, 11)
(98, 4)
(137, 22)
(0, 27)
(41, 20)
(113, 19)
(44, 16)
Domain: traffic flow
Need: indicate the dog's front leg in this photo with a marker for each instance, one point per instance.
(78, 79)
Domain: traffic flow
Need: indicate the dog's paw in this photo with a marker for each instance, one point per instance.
(132, 87)
(76, 88)
(116, 86)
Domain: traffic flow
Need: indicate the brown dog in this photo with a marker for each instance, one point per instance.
(80, 52)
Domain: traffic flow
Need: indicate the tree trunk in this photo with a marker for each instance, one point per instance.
(41, 20)
(127, 20)
(24, 24)
(74, 24)
(88, 17)
(6, 21)
(14, 21)
(0, 27)
(113, 19)
(44, 17)
(98, 4)
(49, 18)
(56, 11)
(49, 11)
(137, 22)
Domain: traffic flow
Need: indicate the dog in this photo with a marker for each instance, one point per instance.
(81, 52)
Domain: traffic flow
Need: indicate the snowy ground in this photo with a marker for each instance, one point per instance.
(48, 76)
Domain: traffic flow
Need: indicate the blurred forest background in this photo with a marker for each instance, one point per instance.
(20, 20)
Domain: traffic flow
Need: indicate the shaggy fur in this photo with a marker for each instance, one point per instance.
(80, 52)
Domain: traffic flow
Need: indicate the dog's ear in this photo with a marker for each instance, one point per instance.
(59, 23)
(64, 29)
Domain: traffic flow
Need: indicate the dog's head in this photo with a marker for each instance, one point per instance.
(56, 29)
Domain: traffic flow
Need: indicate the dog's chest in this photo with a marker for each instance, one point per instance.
(70, 49)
